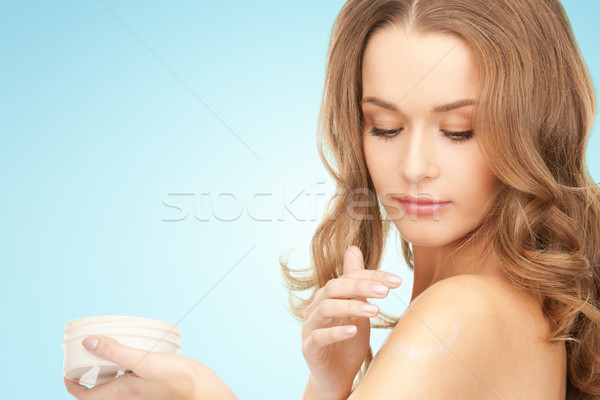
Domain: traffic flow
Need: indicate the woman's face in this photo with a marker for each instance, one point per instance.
(418, 95)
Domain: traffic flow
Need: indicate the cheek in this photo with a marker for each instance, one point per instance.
(491, 184)
(380, 167)
(478, 182)
(465, 174)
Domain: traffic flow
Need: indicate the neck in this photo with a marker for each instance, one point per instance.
(432, 264)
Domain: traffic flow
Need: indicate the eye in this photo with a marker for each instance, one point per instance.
(459, 137)
(385, 134)
(389, 134)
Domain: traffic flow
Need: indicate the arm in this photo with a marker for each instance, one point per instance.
(313, 392)
(440, 348)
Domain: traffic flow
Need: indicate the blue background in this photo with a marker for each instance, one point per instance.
(111, 158)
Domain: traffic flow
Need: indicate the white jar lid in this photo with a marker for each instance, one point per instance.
(122, 325)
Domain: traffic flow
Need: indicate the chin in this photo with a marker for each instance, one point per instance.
(433, 236)
(427, 243)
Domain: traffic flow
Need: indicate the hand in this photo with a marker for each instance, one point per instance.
(334, 357)
(154, 376)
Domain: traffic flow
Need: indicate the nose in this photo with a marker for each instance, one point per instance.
(419, 160)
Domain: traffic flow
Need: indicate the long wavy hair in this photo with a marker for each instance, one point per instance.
(536, 107)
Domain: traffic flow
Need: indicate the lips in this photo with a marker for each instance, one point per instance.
(421, 206)
(423, 199)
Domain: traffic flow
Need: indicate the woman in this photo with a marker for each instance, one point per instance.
(468, 121)
(482, 109)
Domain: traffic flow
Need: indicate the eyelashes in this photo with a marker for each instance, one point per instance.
(390, 134)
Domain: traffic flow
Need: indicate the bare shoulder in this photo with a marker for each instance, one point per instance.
(448, 344)
(472, 305)
(461, 293)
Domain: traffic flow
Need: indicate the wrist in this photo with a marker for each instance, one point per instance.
(206, 384)
(314, 392)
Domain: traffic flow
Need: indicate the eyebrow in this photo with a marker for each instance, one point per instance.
(435, 110)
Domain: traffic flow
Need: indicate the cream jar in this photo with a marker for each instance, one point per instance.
(142, 333)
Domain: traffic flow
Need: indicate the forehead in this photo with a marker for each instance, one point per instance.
(429, 68)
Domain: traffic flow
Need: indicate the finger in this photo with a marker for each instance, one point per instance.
(377, 275)
(348, 288)
(327, 336)
(123, 387)
(354, 266)
(81, 392)
(75, 389)
(353, 259)
(338, 308)
(136, 360)
(329, 309)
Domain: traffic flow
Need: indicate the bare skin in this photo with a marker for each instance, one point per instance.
(488, 344)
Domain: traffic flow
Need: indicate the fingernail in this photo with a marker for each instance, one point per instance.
(90, 342)
(380, 289)
(370, 308)
(349, 330)
(393, 279)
